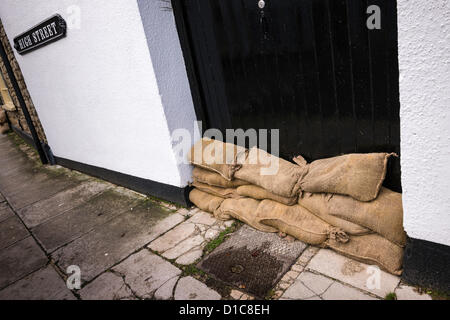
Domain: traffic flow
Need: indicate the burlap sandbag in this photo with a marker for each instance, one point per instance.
(298, 222)
(357, 175)
(217, 156)
(245, 210)
(217, 191)
(383, 215)
(319, 205)
(205, 201)
(283, 181)
(372, 249)
(215, 179)
(2, 116)
(259, 193)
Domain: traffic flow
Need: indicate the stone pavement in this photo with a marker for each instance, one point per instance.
(54, 222)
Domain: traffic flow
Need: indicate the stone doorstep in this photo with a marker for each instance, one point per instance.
(353, 273)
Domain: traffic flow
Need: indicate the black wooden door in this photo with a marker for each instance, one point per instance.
(310, 68)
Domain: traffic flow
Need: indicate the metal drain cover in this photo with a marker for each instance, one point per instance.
(252, 260)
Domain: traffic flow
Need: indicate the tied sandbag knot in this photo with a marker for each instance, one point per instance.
(237, 164)
(338, 235)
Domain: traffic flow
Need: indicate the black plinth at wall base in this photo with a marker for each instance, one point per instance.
(29, 140)
(427, 264)
(148, 187)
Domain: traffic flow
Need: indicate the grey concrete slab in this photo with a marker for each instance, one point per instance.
(82, 219)
(12, 230)
(5, 211)
(19, 179)
(110, 243)
(44, 284)
(61, 202)
(38, 188)
(13, 163)
(19, 260)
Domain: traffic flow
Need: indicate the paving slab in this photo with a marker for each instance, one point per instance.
(106, 245)
(61, 202)
(5, 211)
(146, 272)
(173, 237)
(405, 292)
(165, 292)
(184, 247)
(19, 260)
(78, 221)
(12, 230)
(189, 288)
(252, 259)
(316, 283)
(298, 291)
(107, 287)
(44, 284)
(356, 274)
(14, 164)
(38, 187)
(338, 291)
(190, 257)
(203, 218)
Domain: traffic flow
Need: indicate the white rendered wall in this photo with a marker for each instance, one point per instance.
(96, 92)
(424, 54)
(170, 70)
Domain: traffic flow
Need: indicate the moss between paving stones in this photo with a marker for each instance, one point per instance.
(213, 244)
(391, 296)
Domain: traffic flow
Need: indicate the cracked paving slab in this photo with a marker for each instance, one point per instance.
(145, 273)
(108, 286)
(185, 243)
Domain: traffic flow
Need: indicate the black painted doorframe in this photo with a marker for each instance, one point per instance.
(336, 88)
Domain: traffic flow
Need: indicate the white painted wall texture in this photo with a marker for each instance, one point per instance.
(96, 92)
(424, 55)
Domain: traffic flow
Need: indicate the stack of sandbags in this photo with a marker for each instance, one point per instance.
(4, 126)
(337, 203)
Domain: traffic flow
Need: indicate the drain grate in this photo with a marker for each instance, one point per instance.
(251, 260)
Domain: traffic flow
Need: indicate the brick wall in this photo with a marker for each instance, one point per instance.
(17, 117)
